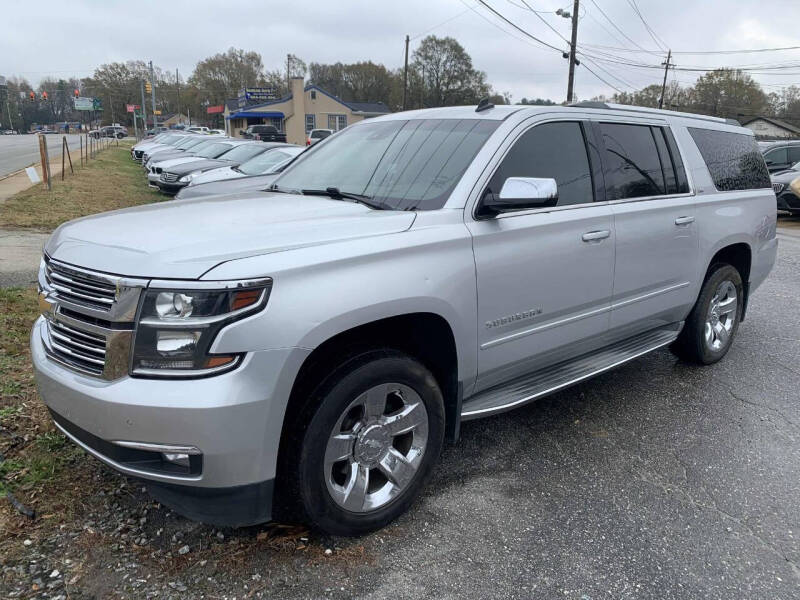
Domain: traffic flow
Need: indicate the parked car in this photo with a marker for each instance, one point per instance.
(197, 129)
(265, 133)
(174, 178)
(308, 350)
(138, 150)
(204, 150)
(230, 187)
(10, 132)
(317, 135)
(786, 194)
(216, 132)
(780, 156)
(269, 160)
(188, 144)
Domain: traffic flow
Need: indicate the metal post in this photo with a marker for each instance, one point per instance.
(664, 83)
(572, 44)
(178, 91)
(153, 92)
(80, 137)
(144, 110)
(405, 76)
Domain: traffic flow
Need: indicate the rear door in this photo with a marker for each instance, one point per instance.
(656, 245)
(544, 276)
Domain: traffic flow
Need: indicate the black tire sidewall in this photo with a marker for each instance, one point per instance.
(718, 275)
(335, 395)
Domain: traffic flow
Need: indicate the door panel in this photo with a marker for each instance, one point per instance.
(656, 260)
(544, 293)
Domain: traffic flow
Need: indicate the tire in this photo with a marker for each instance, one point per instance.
(711, 326)
(349, 461)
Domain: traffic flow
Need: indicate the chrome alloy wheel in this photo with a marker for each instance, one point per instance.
(721, 316)
(376, 447)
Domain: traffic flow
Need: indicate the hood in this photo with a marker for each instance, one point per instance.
(184, 239)
(203, 164)
(171, 162)
(165, 154)
(785, 176)
(256, 183)
(218, 174)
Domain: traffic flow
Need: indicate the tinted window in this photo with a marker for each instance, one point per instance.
(319, 134)
(551, 150)
(794, 154)
(631, 163)
(213, 150)
(677, 162)
(733, 159)
(776, 157)
(243, 152)
(263, 163)
(405, 165)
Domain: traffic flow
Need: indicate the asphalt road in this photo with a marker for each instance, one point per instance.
(20, 151)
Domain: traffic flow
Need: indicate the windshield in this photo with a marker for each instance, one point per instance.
(243, 152)
(187, 142)
(403, 165)
(266, 162)
(212, 150)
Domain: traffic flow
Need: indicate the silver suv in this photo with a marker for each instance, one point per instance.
(307, 351)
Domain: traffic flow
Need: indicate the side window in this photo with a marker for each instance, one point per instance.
(631, 161)
(733, 159)
(794, 154)
(778, 156)
(553, 150)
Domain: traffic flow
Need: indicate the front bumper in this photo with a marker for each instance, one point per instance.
(234, 419)
(171, 188)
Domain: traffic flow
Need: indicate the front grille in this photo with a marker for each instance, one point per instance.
(81, 288)
(80, 349)
(777, 187)
(169, 177)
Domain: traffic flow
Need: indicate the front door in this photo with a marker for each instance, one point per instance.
(544, 276)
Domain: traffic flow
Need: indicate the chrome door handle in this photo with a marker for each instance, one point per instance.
(684, 220)
(591, 236)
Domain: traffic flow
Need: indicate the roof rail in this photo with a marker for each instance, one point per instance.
(653, 111)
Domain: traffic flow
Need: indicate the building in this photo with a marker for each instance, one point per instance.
(168, 120)
(767, 128)
(306, 107)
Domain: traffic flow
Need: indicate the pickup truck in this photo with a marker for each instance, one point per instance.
(264, 133)
(305, 352)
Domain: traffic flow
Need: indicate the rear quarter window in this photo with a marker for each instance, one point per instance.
(733, 159)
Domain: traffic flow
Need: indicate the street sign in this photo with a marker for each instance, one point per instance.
(82, 103)
(254, 95)
(132, 107)
(156, 112)
(97, 104)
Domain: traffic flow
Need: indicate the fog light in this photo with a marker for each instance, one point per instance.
(177, 458)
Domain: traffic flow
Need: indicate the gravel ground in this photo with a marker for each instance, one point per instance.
(657, 480)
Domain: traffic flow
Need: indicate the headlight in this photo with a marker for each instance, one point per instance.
(177, 326)
(189, 177)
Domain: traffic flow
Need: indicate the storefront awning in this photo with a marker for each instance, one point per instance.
(244, 114)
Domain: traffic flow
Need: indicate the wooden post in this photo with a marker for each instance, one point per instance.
(81, 139)
(69, 157)
(63, 149)
(46, 162)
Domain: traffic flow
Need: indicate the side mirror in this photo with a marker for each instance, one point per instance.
(520, 193)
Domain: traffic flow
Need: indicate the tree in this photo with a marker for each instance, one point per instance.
(446, 73)
(728, 93)
(537, 102)
(356, 82)
(221, 76)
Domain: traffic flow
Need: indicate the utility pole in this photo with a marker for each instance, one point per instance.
(572, 44)
(405, 76)
(144, 110)
(664, 83)
(178, 88)
(153, 92)
(288, 74)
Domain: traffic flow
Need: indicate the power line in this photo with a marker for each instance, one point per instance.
(518, 28)
(659, 42)
(625, 35)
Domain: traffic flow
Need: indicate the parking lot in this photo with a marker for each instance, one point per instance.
(657, 480)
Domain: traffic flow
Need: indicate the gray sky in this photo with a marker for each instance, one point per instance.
(61, 39)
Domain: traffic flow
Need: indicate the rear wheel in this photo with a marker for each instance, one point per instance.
(711, 326)
(375, 428)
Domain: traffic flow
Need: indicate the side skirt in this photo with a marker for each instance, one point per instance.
(537, 384)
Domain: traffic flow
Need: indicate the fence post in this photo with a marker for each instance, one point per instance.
(69, 157)
(45, 161)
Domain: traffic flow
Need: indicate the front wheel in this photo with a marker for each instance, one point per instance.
(714, 320)
(375, 430)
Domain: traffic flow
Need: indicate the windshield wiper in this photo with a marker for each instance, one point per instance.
(337, 194)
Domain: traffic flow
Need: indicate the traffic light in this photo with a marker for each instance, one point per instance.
(147, 87)
(32, 96)
(77, 93)
(44, 95)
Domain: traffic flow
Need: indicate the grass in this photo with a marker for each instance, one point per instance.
(32, 453)
(110, 181)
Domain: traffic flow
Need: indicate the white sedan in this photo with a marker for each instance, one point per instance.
(267, 162)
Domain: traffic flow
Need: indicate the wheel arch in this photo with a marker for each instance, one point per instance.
(739, 255)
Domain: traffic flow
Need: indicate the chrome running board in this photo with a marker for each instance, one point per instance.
(540, 383)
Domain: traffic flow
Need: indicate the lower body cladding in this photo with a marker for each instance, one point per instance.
(207, 448)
